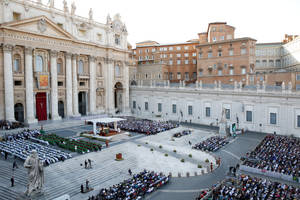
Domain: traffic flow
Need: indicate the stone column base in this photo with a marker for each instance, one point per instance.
(31, 121)
(76, 115)
(56, 118)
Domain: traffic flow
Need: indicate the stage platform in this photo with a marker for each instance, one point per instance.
(110, 138)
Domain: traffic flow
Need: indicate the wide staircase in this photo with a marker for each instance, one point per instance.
(66, 177)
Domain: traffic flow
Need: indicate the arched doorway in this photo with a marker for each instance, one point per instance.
(19, 112)
(133, 83)
(61, 109)
(82, 103)
(118, 96)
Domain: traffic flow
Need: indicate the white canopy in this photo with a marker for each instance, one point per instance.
(106, 120)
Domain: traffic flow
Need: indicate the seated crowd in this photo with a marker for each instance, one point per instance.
(277, 154)
(145, 126)
(211, 144)
(19, 146)
(25, 135)
(7, 125)
(183, 133)
(246, 187)
(134, 188)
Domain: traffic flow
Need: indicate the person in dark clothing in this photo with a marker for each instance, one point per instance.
(90, 163)
(87, 185)
(5, 155)
(85, 164)
(15, 165)
(12, 180)
(234, 171)
(81, 188)
(130, 172)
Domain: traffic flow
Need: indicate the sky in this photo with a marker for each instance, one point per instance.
(173, 21)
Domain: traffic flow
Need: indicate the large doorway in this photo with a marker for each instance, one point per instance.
(118, 97)
(61, 109)
(41, 106)
(19, 112)
(82, 103)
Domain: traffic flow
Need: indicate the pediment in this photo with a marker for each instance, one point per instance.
(40, 25)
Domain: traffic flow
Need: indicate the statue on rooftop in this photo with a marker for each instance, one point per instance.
(35, 173)
(51, 3)
(66, 9)
(91, 14)
(73, 8)
(108, 19)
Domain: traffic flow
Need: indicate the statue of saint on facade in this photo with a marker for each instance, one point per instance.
(66, 9)
(51, 3)
(91, 14)
(73, 8)
(35, 173)
(223, 118)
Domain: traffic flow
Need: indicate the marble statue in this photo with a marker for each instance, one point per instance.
(73, 8)
(35, 173)
(66, 9)
(108, 19)
(223, 118)
(91, 14)
(51, 3)
(223, 123)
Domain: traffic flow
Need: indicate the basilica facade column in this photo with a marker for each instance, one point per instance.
(54, 100)
(92, 98)
(110, 102)
(75, 85)
(69, 85)
(29, 86)
(126, 108)
(8, 83)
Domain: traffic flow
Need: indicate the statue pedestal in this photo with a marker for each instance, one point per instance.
(222, 129)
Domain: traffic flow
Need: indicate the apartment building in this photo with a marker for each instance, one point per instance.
(222, 57)
(178, 61)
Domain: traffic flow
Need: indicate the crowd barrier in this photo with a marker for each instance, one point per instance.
(268, 173)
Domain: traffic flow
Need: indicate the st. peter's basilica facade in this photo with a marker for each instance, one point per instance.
(55, 64)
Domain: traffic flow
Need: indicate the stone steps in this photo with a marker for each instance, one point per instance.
(69, 175)
(72, 186)
(20, 175)
(7, 194)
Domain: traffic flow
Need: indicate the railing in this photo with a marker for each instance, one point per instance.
(217, 86)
